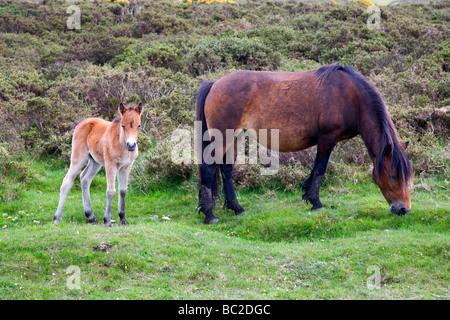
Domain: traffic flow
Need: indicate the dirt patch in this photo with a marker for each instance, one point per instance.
(103, 247)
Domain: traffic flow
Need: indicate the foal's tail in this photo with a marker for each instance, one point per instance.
(74, 125)
(203, 92)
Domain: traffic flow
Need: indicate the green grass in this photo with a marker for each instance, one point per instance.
(278, 249)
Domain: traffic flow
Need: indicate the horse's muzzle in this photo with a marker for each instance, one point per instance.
(400, 210)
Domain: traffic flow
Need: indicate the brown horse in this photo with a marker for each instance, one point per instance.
(102, 143)
(317, 107)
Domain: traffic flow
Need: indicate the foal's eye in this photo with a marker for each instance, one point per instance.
(123, 126)
(139, 126)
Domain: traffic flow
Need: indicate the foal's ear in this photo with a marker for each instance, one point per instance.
(405, 145)
(122, 108)
(139, 108)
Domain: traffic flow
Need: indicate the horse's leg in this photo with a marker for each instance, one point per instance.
(86, 178)
(122, 177)
(77, 162)
(111, 171)
(228, 189)
(205, 195)
(312, 185)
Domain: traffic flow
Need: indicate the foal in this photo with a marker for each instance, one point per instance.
(102, 143)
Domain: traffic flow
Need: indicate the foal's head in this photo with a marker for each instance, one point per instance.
(393, 174)
(130, 123)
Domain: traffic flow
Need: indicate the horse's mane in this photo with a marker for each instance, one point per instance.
(389, 143)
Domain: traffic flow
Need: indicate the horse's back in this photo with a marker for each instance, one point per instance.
(88, 137)
(299, 104)
(91, 126)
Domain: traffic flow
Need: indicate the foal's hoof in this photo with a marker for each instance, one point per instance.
(92, 220)
(107, 222)
(317, 207)
(56, 220)
(123, 222)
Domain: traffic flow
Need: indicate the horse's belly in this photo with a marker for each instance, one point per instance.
(287, 141)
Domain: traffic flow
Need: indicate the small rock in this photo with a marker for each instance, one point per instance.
(5, 226)
(21, 212)
(155, 217)
(15, 219)
(36, 222)
(165, 218)
(5, 215)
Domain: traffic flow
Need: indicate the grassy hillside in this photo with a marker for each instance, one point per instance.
(277, 250)
(158, 53)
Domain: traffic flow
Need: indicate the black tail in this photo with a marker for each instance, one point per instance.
(203, 92)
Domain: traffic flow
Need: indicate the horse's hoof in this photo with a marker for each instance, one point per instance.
(317, 208)
(239, 211)
(123, 222)
(211, 221)
(56, 220)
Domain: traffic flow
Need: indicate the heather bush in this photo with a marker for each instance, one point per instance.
(158, 52)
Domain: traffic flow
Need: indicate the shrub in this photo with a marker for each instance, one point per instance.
(213, 54)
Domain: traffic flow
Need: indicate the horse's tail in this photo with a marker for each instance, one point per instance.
(74, 125)
(203, 92)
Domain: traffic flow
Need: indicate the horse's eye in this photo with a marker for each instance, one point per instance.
(123, 126)
(139, 126)
(392, 177)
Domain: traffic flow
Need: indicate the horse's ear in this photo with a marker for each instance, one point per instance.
(139, 108)
(405, 145)
(122, 108)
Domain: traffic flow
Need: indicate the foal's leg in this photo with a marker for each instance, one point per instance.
(205, 195)
(122, 176)
(312, 185)
(111, 171)
(228, 189)
(77, 162)
(86, 178)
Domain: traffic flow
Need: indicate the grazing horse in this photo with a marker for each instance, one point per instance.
(102, 143)
(316, 107)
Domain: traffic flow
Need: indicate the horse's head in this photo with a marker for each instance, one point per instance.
(393, 174)
(130, 123)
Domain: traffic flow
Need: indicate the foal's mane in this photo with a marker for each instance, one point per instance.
(119, 117)
(389, 143)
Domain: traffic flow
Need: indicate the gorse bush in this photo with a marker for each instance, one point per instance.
(158, 52)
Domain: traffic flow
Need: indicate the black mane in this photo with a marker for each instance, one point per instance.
(389, 143)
